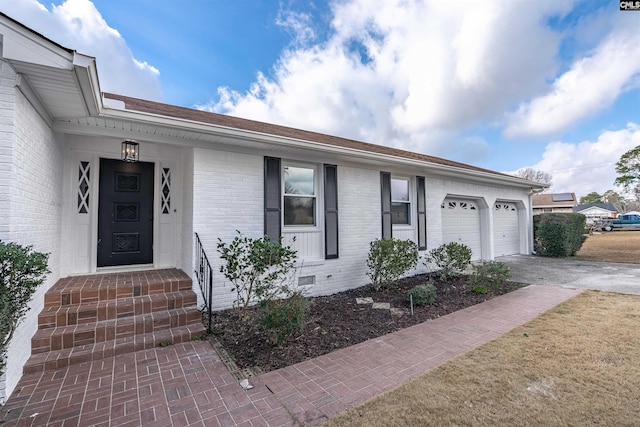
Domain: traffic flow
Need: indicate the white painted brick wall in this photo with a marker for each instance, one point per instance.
(187, 213)
(228, 196)
(34, 192)
(7, 100)
(358, 224)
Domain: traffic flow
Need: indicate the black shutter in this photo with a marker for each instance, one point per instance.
(422, 214)
(385, 186)
(272, 198)
(330, 211)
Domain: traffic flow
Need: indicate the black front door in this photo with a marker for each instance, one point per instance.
(125, 213)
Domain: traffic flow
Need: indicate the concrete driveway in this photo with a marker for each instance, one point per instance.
(603, 276)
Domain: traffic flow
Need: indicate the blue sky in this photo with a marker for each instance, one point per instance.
(505, 84)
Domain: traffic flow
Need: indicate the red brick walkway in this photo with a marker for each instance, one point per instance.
(187, 384)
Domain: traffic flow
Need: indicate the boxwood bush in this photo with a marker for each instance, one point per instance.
(389, 260)
(450, 260)
(422, 294)
(558, 234)
(22, 270)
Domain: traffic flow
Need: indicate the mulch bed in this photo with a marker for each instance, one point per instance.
(337, 321)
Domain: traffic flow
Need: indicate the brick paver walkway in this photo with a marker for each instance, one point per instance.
(187, 384)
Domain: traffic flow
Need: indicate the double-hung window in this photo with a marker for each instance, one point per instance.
(400, 201)
(300, 195)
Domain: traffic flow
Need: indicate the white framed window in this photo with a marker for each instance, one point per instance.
(300, 201)
(400, 201)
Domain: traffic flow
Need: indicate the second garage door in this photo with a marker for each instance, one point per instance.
(461, 224)
(506, 233)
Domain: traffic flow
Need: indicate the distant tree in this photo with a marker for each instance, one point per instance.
(535, 176)
(592, 197)
(632, 206)
(618, 202)
(636, 193)
(628, 170)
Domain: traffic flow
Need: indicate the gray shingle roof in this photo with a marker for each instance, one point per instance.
(607, 206)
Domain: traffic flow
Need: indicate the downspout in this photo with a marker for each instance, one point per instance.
(530, 209)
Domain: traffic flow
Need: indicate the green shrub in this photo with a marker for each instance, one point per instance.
(21, 272)
(490, 274)
(422, 294)
(450, 260)
(558, 234)
(281, 318)
(390, 259)
(257, 268)
(479, 289)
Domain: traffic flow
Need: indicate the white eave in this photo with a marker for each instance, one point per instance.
(61, 83)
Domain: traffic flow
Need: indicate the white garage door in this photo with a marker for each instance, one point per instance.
(506, 234)
(461, 223)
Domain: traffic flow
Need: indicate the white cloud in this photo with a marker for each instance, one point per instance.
(589, 165)
(590, 85)
(77, 24)
(298, 24)
(408, 74)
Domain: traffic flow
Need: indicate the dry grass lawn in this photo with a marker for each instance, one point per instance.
(616, 246)
(577, 364)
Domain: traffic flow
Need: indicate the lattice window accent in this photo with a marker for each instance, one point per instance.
(84, 178)
(165, 189)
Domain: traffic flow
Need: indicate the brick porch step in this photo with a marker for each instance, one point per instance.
(90, 333)
(101, 287)
(90, 312)
(62, 358)
(89, 318)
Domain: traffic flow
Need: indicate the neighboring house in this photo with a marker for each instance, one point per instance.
(596, 211)
(555, 202)
(61, 176)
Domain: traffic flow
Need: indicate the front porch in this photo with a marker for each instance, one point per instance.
(95, 317)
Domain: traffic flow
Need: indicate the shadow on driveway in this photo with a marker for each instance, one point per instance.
(570, 273)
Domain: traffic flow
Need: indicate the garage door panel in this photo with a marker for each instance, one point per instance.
(506, 230)
(461, 224)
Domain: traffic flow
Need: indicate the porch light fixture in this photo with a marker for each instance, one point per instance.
(130, 151)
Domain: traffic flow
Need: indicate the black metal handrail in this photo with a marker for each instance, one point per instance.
(204, 274)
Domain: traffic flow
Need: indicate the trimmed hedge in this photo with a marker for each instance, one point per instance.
(390, 259)
(558, 234)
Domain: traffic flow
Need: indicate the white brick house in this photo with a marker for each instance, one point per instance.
(60, 150)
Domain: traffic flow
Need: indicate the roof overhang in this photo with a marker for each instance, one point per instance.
(208, 134)
(60, 82)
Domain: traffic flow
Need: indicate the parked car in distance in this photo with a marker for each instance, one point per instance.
(622, 222)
